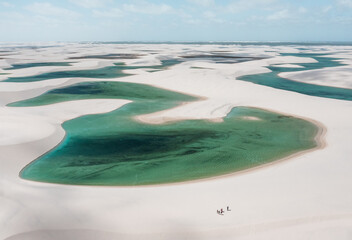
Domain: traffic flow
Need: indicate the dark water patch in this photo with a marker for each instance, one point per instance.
(200, 68)
(243, 43)
(221, 51)
(221, 58)
(102, 90)
(39, 64)
(214, 56)
(110, 56)
(106, 72)
(148, 154)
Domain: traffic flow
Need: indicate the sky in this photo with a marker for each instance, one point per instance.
(177, 20)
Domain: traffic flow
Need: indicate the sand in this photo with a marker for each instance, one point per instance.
(340, 77)
(288, 66)
(305, 197)
(333, 77)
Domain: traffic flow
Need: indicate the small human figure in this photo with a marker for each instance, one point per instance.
(228, 208)
(221, 211)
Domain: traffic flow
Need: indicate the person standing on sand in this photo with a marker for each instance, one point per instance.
(220, 212)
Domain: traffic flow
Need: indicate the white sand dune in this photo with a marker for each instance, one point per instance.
(305, 197)
(288, 66)
(333, 77)
(28, 124)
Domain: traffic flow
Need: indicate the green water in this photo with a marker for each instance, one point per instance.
(106, 72)
(273, 80)
(113, 149)
(101, 90)
(38, 64)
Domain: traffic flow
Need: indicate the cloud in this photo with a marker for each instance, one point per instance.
(6, 4)
(91, 3)
(345, 3)
(203, 3)
(11, 16)
(50, 10)
(242, 5)
(193, 21)
(112, 13)
(148, 8)
(326, 9)
(211, 16)
(189, 19)
(302, 10)
(346, 20)
(279, 15)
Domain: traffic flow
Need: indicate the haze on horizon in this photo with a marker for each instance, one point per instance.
(184, 20)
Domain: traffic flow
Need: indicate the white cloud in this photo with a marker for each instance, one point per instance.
(193, 21)
(189, 19)
(279, 15)
(11, 16)
(343, 20)
(91, 3)
(112, 13)
(6, 4)
(326, 9)
(47, 20)
(346, 3)
(148, 8)
(203, 3)
(242, 5)
(211, 16)
(50, 10)
(302, 10)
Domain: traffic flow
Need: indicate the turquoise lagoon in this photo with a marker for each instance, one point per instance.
(113, 149)
(106, 72)
(272, 79)
(37, 64)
